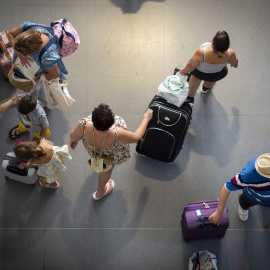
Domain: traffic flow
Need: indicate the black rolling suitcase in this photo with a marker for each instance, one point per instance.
(166, 131)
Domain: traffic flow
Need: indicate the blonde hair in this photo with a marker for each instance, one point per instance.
(28, 42)
(28, 151)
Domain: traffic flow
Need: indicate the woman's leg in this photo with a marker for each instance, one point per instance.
(103, 179)
(194, 84)
(207, 84)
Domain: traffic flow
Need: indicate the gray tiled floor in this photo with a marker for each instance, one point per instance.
(127, 49)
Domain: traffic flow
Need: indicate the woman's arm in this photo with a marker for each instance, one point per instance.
(234, 60)
(53, 73)
(125, 136)
(193, 62)
(14, 32)
(76, 135)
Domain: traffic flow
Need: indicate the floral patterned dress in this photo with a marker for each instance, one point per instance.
(50, 170)
(117, 153)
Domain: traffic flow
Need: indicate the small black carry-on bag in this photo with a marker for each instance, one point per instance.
(166, 131)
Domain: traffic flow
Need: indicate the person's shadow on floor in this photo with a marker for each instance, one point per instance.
(132, 6)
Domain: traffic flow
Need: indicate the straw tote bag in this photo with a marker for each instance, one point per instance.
(22, 77)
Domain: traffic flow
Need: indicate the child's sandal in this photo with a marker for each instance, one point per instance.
(14, 133)
(42, 182)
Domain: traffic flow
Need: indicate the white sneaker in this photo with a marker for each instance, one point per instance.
(243, 214)
(204, 91)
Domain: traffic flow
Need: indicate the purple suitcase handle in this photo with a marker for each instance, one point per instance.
(206, 224)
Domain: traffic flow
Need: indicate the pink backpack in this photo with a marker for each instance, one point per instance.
(64, 33)
(67, 37)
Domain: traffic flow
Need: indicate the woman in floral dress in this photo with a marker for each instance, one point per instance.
(109, 134)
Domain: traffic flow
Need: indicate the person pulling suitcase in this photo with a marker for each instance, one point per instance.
(254, 180)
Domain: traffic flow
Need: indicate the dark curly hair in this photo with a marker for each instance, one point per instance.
(102, 117)
(221, 41)
(27, 104)
(27, 151)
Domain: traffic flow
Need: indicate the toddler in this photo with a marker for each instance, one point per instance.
(32, 118)
(48, 158)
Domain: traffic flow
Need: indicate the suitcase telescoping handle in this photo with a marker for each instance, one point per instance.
(17, 171)
(206, 224)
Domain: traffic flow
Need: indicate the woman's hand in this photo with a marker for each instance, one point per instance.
(182, 73)
(25, 60)
(73, 144)
(148, 114)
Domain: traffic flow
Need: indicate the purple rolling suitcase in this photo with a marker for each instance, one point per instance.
(195, 226)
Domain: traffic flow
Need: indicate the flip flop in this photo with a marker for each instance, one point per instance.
(108, 191)
(16, 133)
(46, 185)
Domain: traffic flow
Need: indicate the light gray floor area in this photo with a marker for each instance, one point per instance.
(127, 49)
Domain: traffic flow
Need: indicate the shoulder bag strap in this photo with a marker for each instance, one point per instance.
(46, 47)
(50, 29)
(229, 56)
(102, 143)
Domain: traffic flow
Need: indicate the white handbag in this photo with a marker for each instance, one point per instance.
(60, 93)
(174, 89)
(43, 93)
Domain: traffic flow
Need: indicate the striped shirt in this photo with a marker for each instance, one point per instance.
(254, 186)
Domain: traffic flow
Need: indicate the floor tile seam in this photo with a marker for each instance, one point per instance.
(128, 229)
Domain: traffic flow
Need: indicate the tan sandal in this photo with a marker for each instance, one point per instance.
(42, 182)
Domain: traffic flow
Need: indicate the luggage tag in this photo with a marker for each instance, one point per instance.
(199, 214)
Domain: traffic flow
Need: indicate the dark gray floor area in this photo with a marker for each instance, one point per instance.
(127, 49)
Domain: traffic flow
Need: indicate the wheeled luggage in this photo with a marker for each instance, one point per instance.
(166, 131)
(195, 222)
(6, 54)
(10, 169)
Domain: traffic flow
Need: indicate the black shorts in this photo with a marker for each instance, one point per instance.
(210, 77)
